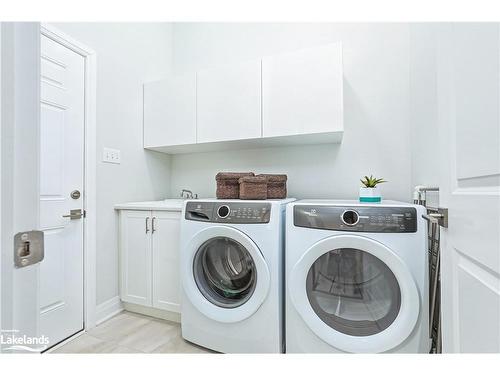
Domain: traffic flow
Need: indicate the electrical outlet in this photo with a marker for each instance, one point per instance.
(110, 155)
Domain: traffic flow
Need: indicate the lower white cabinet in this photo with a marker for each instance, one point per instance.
(149, 258)
(165, 246)
(135, 257)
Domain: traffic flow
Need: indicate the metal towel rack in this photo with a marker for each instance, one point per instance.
(436, 218)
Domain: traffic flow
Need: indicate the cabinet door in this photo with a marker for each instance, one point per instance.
(170, 111)
(135, 257)
(229, 103)
(302, 92)
(166, 285)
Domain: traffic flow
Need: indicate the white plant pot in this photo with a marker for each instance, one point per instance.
(370, 194)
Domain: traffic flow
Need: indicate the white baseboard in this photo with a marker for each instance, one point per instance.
(108, 309)
(151, 311)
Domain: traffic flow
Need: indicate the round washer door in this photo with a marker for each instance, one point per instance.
(355, 294)
(225, 276)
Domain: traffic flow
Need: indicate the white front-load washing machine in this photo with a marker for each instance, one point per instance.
(356, 277)
(232, 271)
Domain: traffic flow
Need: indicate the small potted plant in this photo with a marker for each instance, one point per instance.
(370, 191)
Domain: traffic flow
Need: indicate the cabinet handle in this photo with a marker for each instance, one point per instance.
(147, 225)
(153, 229)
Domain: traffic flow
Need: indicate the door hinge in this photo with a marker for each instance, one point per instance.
(437, 215)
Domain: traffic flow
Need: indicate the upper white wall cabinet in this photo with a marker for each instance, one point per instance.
(291, 98)
(170, 111)
(229, 103)
(302, 92)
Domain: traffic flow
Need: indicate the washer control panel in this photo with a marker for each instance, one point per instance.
(229, 212)
(357, 218)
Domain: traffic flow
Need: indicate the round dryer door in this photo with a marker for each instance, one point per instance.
(227, 278)
(355, 294)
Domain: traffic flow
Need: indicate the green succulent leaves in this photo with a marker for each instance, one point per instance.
(371, 182)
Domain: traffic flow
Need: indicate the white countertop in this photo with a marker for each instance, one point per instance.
(163, 205)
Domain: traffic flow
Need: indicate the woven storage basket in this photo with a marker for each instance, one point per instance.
(228, 185)
(276, 185)
(253, 187)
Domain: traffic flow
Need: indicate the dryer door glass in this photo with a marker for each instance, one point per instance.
(224, 272)
(353, 292)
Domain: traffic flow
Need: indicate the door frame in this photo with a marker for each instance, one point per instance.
(1, 227)
(20, 110)
(90, 168)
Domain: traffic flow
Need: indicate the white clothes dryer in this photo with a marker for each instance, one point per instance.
(356, 277)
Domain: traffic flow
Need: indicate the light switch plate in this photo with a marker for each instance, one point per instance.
(110, 155)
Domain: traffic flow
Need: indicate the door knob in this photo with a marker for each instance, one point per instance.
(75, 194)
(74, 214)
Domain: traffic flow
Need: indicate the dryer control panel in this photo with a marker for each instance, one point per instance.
(229, 212)
(357, 218)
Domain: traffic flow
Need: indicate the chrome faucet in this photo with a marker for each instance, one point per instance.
(188, 194)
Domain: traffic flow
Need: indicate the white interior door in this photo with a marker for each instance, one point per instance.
(61, 173)
(468, 109)
(19, 142)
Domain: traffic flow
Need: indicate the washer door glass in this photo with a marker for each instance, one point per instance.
(224, 272)
(353, 292)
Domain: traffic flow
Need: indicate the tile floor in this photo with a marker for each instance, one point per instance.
(132, 333)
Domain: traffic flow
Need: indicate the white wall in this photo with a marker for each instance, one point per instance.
(423, 99)
(424, 107)
(127, 55)
(376, 104)
(379, 120)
